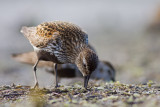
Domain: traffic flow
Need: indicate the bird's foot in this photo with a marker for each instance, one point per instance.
(57, 86)
(36, 86)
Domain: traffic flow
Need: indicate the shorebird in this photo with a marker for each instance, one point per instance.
(62, 42)
(105, 70)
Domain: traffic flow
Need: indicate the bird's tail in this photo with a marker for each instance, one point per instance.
(28, 31)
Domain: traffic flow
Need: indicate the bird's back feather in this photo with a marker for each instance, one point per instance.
(62, 39)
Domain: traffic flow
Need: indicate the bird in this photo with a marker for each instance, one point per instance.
(61, 42)
(105, 70)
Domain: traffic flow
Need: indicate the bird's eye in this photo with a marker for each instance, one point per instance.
(84, 65)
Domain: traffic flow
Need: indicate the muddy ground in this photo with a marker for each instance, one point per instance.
(99, 93)
(119, 35)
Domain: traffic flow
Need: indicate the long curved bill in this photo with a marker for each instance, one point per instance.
(86, 79)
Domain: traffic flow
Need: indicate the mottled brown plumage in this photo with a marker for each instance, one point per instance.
(104, 70)
(62, 42)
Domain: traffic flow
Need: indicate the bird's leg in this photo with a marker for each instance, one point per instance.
(35, 76)
(55, 72)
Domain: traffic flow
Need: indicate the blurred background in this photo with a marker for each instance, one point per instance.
(126, 33)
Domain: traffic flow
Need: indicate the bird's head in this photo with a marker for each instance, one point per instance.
(87, 62)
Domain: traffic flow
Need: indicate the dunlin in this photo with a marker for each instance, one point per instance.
(62, 42)
(105, 70)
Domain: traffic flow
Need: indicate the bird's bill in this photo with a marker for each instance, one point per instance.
(113, 79)
(86, 79)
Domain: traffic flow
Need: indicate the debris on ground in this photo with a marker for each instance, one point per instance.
(97, 94)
